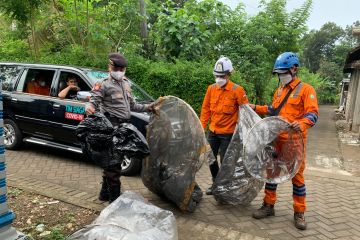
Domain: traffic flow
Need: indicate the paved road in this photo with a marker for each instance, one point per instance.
(333, 198)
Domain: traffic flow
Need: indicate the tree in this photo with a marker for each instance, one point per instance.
(319, 45)
(254, 43)
(188, 32)
(24, 12)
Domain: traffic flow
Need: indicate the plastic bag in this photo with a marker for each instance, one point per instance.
(233, 184)
(178, 148)
(107, 145)
(129, 141)
(273, 151)
(130, 217)
(95, 136)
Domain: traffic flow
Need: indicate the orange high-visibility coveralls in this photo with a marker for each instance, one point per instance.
(221, 106)
(301, 106)
(35, 88)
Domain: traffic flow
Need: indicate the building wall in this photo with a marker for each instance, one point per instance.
(354, 82)
(356, 114)
(352, 111)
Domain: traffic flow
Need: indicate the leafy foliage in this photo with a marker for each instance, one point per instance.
(320, 45)
(187, 32)
(185, 39)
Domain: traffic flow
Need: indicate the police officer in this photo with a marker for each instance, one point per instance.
(112, 97)
(220, 106)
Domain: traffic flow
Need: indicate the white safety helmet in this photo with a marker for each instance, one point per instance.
(223, 66)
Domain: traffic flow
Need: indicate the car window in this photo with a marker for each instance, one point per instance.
(66, 76)
(96, 76)
(37, 81)
(8, 76)
(139, 94)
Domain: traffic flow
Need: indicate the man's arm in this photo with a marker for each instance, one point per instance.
(311, 109)
(136, 107)
(241, 96)
(265, 109)
(97, 95)
(205, 109)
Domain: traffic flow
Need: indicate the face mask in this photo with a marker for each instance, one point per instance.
(220, 81)
(285, 78)
(117, 75)
(42, 83)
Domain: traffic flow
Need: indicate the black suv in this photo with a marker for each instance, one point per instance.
(47, 119)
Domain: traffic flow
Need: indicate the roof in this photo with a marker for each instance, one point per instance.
(48, 66)
(352, 60)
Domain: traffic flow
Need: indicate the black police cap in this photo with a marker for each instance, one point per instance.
(117, 60)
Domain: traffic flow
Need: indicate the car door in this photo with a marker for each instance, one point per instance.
(9, 74)
(67, 113)
(33, 111)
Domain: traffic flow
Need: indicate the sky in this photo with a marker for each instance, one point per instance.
(342, 12)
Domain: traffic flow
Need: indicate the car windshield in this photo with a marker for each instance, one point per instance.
(139, 94)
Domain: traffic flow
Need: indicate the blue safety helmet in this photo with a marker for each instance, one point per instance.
(285, 61)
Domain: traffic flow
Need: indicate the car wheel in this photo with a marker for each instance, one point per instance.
(12, 135)
(130, 166)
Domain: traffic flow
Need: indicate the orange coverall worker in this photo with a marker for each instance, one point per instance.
(301, 106)
(35, 88)
(221, 107)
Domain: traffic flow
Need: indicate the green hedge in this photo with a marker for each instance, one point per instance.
(184, 79)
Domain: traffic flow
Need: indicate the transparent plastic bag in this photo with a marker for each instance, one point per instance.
(178, 148)
(273, 151)
(130, 218)
(233, 184)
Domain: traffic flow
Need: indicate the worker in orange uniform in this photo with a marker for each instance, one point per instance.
(296, 102)
(221, 107)
(38, 86)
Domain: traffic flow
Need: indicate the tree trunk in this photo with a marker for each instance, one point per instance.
(143, 26)
(78, 25)
(72, 39)
(33, 35)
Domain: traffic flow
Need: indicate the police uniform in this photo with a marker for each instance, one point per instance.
(114, 99)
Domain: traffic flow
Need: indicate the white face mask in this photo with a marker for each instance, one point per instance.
(285, 78)
(117, 75)
(42, 83)
(220, 81)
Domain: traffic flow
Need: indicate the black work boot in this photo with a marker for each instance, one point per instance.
(115, 192)
(104, 192)
(266, 210)
(299, 220)
(209, 191)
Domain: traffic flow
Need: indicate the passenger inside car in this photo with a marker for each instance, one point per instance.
(70, 91)
(38, 86)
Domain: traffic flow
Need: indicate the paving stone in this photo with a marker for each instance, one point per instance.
(333, 201)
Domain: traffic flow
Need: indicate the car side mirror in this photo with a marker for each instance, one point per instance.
(83, 96)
